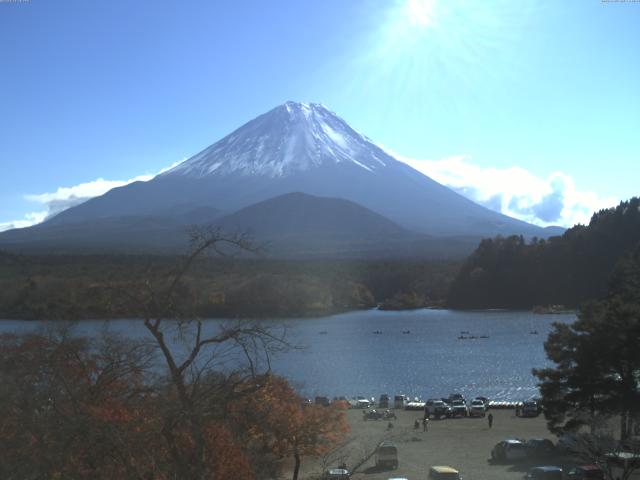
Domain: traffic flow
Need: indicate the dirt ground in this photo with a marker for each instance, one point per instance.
(463, 443)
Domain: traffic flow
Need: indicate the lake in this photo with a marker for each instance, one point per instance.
(343, 355)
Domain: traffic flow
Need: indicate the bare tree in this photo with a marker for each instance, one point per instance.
(618, 460)
(208, 364)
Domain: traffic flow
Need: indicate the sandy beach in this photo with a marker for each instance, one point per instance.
(463, 443)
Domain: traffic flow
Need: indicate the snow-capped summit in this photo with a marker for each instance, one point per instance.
(296, 147)
(290, 138)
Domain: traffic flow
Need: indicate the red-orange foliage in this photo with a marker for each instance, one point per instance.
(68, 411)
(226, 458)
(278, 420)
(70, 408)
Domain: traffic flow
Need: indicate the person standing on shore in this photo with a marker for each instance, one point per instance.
(490, 420)
(425, 424)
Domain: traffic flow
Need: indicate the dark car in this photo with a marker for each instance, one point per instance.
(459, 408)
(456, 396)
(544, 473)
(586, 471)
(509, 450)
(437, 408)
(539, 447)
(530, 408)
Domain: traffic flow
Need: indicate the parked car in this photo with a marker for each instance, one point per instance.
(539, 447)
(456, 396)
(336, 474)
(437, 408)
(383, 402)
(459, 408)
(415, 404)
(360, 402)
(324, 401)
(478, 408)
(386, 455)
(400, 401)
(623, 459)
(509, 450)
(544, 473)
(530, 408)
(444, 472)
(586, 472)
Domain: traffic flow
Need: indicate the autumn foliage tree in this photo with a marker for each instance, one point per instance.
(75, 408)
(277, 420)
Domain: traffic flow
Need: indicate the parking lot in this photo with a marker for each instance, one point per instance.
(463, 443)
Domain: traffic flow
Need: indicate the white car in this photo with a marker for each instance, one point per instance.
(359, 402)
(336, 474)
(478, 408)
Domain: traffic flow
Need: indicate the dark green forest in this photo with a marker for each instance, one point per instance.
(567, 270)
(101, 286)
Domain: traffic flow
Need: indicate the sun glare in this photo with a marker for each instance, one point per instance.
(420, 12)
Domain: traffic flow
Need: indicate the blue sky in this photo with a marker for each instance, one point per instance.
(532, 108)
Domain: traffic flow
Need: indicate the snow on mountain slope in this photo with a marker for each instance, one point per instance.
(299, 147)
(290, 138)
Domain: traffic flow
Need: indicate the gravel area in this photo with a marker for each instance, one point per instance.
(463, 443)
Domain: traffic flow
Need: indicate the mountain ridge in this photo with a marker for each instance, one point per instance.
(296, 147)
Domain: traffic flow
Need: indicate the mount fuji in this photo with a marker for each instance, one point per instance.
(296, 147)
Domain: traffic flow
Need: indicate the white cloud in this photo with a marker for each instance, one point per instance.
(28, 220)
(514, 191)
(67, 197)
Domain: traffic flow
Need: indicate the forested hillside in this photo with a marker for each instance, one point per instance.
(101, 286)
(567, 270)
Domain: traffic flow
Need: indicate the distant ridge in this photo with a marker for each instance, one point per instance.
(300, 215)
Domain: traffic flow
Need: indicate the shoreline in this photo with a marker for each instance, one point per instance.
(307, 315)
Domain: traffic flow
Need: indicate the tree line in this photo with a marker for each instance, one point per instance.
(82, 286)
(567, 270)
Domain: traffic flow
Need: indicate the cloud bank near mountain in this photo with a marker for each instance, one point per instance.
(52, 203)
(514, 191)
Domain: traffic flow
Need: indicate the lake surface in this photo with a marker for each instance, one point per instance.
(342, 355)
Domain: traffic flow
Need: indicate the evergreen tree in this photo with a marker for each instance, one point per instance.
(597, 372)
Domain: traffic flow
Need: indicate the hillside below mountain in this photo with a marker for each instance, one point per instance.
(294, 225)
